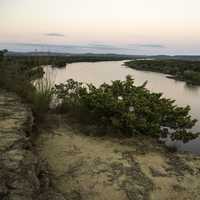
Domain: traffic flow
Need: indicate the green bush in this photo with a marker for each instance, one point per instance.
(124, 107)
(18, 78)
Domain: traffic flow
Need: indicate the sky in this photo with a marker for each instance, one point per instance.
(126, 26)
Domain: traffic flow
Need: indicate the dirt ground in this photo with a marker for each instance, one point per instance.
(102, 168)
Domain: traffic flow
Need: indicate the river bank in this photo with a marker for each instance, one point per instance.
(187, 71)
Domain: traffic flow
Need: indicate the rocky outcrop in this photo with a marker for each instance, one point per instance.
(18, 165)
(21, 175)
(84, 166)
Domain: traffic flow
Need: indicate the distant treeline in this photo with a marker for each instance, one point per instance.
(188, 71)
(61, 61)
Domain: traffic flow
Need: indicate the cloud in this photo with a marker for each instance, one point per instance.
(158, 46)
(100, 46)
(55, 34)
(152, 46)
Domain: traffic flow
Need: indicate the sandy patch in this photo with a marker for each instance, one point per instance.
(93, 168)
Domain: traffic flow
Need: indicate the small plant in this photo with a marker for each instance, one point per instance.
(42, 96)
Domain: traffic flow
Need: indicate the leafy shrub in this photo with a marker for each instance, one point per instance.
(123, 106)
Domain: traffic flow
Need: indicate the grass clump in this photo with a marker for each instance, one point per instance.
(42, 96)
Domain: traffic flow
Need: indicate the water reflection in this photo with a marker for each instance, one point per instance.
(191, 88)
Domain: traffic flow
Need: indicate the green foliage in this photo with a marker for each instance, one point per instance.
(62, 60)
(14, 78)
(120, 106)
(18, 72)
(124, 107)
(192, 76)
(42, 97)
(2, 54)
(188, 71)
(17, 77)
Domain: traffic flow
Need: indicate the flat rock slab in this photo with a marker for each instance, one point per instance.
(102, 168)
(18, 180)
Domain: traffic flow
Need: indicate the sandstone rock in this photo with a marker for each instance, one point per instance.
(18, 178)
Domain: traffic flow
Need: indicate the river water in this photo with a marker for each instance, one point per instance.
(100, 72)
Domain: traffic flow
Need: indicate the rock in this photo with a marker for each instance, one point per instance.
(158, 172)
(17, 164)
(22, 176)
(51, 195)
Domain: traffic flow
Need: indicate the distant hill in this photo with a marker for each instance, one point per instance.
(157, 57)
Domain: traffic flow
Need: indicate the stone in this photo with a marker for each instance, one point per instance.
(18, 178)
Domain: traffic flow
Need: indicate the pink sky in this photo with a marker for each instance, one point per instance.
(174, 24)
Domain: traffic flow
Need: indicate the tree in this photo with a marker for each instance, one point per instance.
(2, 53)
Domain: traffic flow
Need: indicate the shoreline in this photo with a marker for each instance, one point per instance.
(171, 76)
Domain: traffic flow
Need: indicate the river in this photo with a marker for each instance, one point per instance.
(100, 72)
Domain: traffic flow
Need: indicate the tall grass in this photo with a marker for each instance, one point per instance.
(42, 95)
